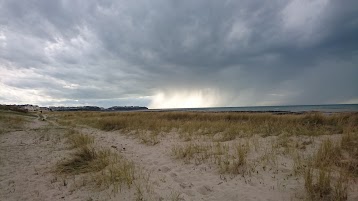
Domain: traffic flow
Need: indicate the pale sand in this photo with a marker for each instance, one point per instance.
(28, 158)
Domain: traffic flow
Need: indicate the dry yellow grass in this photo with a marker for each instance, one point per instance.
(329, 172)
(12, 120)
(107, 169)
(77, 139)
(85, 159)
(321, 185)
(232, 142)
(230, 125)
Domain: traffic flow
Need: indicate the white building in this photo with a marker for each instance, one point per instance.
(31, 108)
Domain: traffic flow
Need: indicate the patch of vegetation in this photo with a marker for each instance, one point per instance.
(319, 189)
(120, 172)
(13, 108)
(229, 125)
(319, 186)
(10, 122)
(190, 151)
(342, 156)
(236, 163)
(349, 144)
(290, 142)
(328, 154)
(77, 139)
(107, 169)
(85, 159)
(327, 177)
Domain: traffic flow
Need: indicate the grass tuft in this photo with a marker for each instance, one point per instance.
(76, 139)
(328, 154)
(84, 160)
(228, 125)
(212, 137)
(10, 121)
(319, 188)
(119, 173)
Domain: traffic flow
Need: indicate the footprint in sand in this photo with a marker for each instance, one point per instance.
(11, 186)
(186, 185)
(189, 192)
(204, 190)
(178, 179)
(164, 169)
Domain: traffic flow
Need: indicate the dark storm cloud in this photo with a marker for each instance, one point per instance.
(231, 52)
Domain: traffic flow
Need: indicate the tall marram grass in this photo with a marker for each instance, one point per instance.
(85, 159)
(321, 185)
(327, 175)
(108, 169)
(229, 125)
(77, 139)
(327, 169)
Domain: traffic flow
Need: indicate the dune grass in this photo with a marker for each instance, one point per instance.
(342, 156)
(10, 121)
(349, 145)
(320, 188)
(149, 126)
(120, 172)
(236, 162)
(331, 168)
(320, 184)
(85, 159)
(230, 125)
(76, 139)
(230, 159)
(108, 169)
(13, 108)
(328, 154)
(240, 143)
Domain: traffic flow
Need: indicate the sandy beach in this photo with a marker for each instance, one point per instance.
(154, 100)
(170, 165)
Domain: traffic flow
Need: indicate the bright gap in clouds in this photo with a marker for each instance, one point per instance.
(184, 99)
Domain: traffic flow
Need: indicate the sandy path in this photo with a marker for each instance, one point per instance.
(26, 163)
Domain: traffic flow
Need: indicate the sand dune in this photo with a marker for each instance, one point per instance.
(30, 155)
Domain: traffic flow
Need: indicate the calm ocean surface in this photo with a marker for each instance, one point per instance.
(290, 108)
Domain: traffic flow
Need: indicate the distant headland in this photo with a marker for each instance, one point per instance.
(31, 108)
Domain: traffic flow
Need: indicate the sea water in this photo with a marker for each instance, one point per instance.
(286, 108)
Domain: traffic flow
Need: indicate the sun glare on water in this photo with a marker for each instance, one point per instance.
(183, 100)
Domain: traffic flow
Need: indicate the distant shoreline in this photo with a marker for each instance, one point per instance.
(286, 109)
(331, 108)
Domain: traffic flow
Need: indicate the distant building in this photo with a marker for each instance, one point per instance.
(30, 108)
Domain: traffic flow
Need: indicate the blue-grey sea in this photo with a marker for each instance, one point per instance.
(288, 108)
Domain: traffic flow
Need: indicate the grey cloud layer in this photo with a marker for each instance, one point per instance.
(249, 52)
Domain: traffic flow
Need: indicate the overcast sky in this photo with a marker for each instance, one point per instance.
(170, 53)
